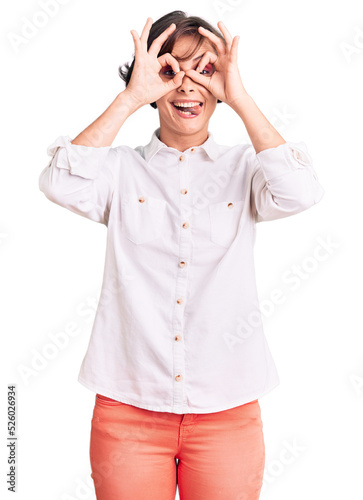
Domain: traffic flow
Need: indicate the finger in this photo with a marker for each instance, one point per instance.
(207, 57)
(234, 48)
(225, 33)
(145, 32)
(158, 42)
(167, 59)
(198, 78)
(176, 81)
(137, 42)
(214, 39)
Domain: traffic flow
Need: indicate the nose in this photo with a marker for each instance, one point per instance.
(187, 85)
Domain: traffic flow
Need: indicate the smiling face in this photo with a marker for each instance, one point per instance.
(184, 113)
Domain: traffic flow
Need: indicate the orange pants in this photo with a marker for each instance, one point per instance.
(139, 454)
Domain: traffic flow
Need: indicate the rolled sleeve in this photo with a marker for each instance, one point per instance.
(284, 181)
(80, 178)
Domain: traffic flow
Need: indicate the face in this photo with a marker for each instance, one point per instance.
(176, 122)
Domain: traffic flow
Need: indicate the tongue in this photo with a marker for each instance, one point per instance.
(195, 109)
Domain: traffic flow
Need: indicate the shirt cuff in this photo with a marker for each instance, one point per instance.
(84, 161)
(285, 158)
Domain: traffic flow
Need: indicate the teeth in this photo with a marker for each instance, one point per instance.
(186, 104)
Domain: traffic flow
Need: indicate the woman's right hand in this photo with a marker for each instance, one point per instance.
(146, 85)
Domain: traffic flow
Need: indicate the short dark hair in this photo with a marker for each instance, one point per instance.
(185, 25)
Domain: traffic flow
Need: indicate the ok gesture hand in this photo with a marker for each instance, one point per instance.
(146, 84)
(225, 83)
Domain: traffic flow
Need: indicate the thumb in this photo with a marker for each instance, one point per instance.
(176, 81)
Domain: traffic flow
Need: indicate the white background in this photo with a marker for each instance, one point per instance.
(302, 64)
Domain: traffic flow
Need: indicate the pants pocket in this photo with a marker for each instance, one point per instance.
(104, 400)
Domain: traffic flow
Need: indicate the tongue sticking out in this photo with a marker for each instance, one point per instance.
(195, 109)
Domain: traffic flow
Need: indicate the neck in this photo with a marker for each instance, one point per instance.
(182, 141)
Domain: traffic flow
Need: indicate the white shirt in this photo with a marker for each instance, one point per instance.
(178, 327)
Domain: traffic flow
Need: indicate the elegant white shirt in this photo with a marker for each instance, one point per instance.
(178, 326)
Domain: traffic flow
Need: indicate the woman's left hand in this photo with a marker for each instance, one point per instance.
(225, 83)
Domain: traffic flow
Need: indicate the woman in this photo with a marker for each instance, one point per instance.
(177, 355)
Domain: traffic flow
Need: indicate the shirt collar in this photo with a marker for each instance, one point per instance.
(155, 145)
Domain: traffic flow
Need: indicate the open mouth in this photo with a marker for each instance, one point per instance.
(189, 109)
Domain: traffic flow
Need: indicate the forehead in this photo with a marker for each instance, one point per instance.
(186, 46)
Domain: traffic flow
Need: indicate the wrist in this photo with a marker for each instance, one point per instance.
(239, 101)
(128, 100)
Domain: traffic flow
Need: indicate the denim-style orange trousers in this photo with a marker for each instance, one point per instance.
(139, 454)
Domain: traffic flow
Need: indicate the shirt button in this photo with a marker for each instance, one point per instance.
(230, 205)
(182, 157)
(177, 337)
(182, 264)
(180, 301)
(141, 199)
(185, 225)
(183, 191)
(178, 378)
(192, 150)
(299, 156)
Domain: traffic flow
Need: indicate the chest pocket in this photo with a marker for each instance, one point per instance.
(143, 217)
(224, 218)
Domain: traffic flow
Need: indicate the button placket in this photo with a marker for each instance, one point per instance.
(185, 203)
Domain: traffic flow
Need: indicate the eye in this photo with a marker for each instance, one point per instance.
(208, 70)
(168, 71)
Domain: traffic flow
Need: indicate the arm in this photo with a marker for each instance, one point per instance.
(105, 128)
(83, 173)
(283, 180)
(145, 86)
(226, 84)
(262, 134)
